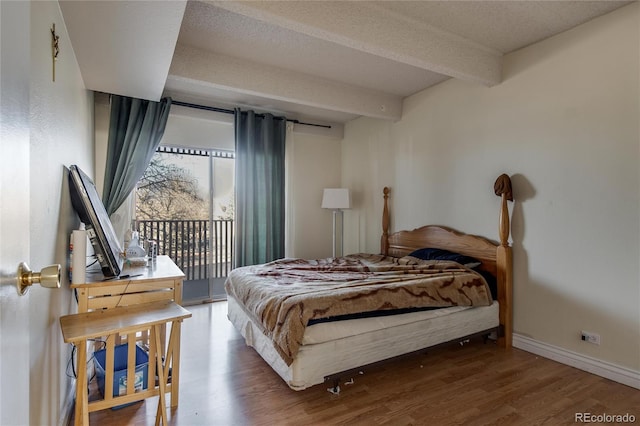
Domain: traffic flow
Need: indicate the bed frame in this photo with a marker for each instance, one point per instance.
(496, 257)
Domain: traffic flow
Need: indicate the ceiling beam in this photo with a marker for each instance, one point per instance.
(124, 47)
(369, 28)
(243, 76)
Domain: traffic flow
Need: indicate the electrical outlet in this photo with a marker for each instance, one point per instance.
(590, 337)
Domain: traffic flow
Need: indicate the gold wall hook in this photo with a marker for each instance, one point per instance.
(49, 277)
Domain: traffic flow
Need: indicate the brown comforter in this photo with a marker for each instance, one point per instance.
(282, 296)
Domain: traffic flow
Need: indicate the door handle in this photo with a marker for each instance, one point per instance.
(49, 277)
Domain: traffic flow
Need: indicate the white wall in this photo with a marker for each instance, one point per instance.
(367, 167)
(564, 125)
(199, 129)
(314, 165)
(61, 135)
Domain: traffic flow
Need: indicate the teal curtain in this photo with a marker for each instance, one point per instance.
(260, 179)
(136, 127)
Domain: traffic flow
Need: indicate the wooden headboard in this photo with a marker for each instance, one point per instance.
(496, 257)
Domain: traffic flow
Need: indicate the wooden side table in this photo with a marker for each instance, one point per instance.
(161, 280)
(78, 328)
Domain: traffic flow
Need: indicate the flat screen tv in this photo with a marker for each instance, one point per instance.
(88, 205)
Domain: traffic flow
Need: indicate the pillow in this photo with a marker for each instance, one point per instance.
(429, 253)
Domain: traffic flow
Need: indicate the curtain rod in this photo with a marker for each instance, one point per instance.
(230, 111)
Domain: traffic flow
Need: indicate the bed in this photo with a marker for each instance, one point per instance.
(313, 320)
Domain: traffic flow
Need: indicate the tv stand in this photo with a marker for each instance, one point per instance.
(159, 280)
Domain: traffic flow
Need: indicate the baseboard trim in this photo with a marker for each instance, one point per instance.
(619, 374)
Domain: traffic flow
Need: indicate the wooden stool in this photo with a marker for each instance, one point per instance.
(129, 320)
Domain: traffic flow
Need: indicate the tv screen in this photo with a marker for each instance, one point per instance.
(88, 205)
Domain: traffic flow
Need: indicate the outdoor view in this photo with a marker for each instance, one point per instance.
(184, 201)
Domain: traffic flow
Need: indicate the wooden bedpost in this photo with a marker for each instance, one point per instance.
(504, 262)
(384, 241)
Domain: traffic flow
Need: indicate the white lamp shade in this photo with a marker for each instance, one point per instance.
(336, 198)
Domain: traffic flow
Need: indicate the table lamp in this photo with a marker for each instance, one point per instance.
(337, 199)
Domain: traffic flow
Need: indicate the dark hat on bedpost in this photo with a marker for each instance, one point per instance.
(503, 186)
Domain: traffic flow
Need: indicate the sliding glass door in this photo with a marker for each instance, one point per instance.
(185, 203)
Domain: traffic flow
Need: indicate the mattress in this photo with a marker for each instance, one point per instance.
(333, 347)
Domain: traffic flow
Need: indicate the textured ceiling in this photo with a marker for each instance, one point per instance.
(328, 61)
(213, 29)
(502, 25)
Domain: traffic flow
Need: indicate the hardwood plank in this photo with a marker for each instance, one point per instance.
(223, 382)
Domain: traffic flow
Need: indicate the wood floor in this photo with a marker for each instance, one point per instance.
(223, 382)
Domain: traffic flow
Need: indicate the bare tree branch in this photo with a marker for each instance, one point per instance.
(167, 191)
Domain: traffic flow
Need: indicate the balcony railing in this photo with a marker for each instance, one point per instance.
(201, 248)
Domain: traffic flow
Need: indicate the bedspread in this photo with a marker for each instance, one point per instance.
(282, 296)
